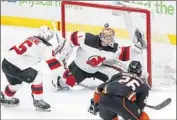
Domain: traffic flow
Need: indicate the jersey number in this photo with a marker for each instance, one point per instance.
(23, 47)
(129, 82)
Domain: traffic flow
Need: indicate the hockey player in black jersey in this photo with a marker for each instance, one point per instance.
(124, 95)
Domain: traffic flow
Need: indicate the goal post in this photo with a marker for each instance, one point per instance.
(69, 24)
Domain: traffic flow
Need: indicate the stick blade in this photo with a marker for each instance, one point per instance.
(161, 105)
(164, 104)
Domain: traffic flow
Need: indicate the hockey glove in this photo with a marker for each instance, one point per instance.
(139, 39)
(94, 108)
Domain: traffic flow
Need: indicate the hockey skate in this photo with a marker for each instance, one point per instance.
(58, 85)
(9, 103)
(41, 105)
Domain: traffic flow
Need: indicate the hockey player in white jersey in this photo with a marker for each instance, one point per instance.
(24, 63)
(92, 52)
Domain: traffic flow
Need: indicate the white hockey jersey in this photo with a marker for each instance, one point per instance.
(34, 52)
(90, 54)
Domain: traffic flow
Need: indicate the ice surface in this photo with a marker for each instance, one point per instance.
(69, 104)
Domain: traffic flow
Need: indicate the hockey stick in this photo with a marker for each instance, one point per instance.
(59, 48)
(55, 29)
(88, 87)
(161, 105)
(156, 107)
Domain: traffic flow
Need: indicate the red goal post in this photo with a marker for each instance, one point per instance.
(113, 7)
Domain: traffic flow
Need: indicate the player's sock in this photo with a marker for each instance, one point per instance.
(96, 97)
(144, 116)
(7, 97)
(37, 91)
(115, 118)
(10, 91)
(37, 94)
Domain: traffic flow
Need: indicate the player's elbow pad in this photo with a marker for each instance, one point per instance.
(132, 97)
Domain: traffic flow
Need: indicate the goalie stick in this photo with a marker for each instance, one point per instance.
(59, 48)
(59, 40)
(55, 29)
(155, 107)
(88, 87)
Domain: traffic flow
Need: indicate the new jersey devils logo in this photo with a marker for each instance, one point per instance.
(95, 60)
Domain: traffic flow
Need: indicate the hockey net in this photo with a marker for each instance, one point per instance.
(91, 17)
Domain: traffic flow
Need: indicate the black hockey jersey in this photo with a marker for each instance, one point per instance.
(123, 84)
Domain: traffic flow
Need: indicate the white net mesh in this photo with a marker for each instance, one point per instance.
(162, 52)
(92, 19)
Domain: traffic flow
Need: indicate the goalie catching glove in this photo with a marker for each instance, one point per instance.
(139, 40)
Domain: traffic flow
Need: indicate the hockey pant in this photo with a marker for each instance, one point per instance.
(111, 106)
(16, 76)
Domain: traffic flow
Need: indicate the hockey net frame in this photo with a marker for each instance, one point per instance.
(113, 7)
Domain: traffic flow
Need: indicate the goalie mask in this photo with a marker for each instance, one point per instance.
(45, 33)
(107, 36)
(135, 67)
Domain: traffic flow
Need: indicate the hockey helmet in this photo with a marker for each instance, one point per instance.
(45, 33)
(107, 35)
(135, 67)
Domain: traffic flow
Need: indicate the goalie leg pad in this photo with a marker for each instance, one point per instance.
(79, 75)
(101, 76)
